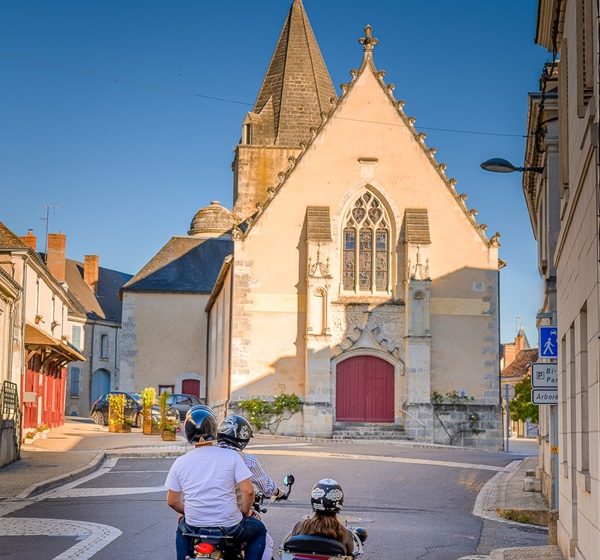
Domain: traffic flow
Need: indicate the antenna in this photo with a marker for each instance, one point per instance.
(518, 323)
(46, 218)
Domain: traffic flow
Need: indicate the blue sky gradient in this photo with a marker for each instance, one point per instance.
(104, 111)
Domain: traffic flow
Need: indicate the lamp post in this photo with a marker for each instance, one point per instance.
(500, 165)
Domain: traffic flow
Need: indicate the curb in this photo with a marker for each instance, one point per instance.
(61, 479)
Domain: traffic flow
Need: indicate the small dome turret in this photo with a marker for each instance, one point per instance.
(211, 221)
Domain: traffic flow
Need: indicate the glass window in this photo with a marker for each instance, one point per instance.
(74, 382)
(366, 264)
(104, 346)
(76, 336)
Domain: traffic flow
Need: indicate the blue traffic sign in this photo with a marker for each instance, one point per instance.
(548, 347)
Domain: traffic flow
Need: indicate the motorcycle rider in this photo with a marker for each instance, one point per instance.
(326, 500)
(234, 432)
(206, 478)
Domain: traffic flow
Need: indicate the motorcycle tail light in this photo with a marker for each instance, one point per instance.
(204, 548)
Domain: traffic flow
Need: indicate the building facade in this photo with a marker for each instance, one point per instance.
(344, 285)
(563, 203)
(42, 318)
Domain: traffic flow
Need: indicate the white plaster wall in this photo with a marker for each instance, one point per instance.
(163, 336)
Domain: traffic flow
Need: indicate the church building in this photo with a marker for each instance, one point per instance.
(350, 270)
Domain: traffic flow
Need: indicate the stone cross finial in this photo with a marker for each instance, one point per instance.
(368, 41)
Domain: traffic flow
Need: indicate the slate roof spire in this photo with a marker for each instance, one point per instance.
(297, 87)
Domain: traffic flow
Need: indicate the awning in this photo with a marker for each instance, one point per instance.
(55, 350)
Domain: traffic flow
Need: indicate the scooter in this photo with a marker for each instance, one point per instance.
(314, 547)
(211, 542)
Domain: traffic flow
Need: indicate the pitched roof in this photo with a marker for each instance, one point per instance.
(105, 303)
(297, 82)
(318, 223)
(521, 364)
(416, 226)
(8, 240)
(184, 264)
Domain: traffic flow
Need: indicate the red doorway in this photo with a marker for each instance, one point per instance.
(364, 390)
(190, 387)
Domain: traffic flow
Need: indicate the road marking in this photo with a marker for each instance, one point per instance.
(94, 536)
(95, 492)
(382, 458)
(261, 445)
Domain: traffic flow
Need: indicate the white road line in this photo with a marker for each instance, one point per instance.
(381, 458)
(261, 445)
(94, 535)
(95, 492)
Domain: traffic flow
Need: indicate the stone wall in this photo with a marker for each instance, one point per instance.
(470, 425)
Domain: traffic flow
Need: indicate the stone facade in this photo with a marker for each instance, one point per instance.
(563, 202)
(343, 252)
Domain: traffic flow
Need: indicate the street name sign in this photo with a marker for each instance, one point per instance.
(544, 396)
(544, 376)
(548, 342)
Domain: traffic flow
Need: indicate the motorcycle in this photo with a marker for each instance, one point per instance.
(211, 542)
(315, 547)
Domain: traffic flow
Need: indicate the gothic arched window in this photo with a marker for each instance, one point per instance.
(366, 246)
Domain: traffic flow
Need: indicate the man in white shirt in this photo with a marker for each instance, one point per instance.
(206, 479)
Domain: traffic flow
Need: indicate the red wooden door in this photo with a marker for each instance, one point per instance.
(364, 390)
(191, 387)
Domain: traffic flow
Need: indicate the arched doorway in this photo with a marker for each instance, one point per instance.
(100, 384)
(364, 390)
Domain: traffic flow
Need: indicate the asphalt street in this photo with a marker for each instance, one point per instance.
(416, 504)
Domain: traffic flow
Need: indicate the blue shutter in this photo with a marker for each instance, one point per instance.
(74, 385)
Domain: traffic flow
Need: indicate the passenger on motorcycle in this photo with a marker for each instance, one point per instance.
(234, 432)
(326, 500)
(206, 479)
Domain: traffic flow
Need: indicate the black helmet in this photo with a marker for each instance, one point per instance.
(200, 407)
(200, 425)
(327, 496)
(235, 430)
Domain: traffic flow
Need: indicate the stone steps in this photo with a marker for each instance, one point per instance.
(369, 431)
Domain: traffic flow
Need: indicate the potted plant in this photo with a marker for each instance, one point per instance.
(169, 429)
(127, 423)
(116, 412)
(29, 437)
(43, 430)
(162, 405)
(148, 396)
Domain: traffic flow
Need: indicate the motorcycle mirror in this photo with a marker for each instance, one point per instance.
(361, 534)
(288, 479)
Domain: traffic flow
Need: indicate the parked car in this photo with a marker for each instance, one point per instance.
(182, 403)
(133, 409)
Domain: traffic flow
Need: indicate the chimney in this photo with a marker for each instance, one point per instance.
(56, 257)
(30, 240)
(90, 271)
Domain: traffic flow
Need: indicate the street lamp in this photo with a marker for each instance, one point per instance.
(500, 165)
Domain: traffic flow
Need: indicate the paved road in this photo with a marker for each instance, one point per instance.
(415, 502)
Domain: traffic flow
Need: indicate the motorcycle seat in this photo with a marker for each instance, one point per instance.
(314, 544)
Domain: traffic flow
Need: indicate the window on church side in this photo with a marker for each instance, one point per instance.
(366, 246)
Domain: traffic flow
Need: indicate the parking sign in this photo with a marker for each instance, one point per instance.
(548, 347)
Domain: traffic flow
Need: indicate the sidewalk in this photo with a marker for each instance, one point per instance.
(75, 449)
(506, 501)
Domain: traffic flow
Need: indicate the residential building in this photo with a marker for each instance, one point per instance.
(42, 319)
(563, 203)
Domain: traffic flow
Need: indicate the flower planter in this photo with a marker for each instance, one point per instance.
(126, 429)
(28, 441)
(147, 429)
(167, 435)
(115, 428)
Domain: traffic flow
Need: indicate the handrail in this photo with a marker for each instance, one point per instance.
(414, 417)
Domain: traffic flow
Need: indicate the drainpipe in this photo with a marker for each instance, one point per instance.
(207, 373)
(91, 361)
(230, 335)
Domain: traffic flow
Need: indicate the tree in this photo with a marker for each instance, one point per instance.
(521, 407)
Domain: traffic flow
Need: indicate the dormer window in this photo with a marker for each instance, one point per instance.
(366, 247)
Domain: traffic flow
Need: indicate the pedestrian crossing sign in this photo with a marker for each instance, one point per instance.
(548, 347)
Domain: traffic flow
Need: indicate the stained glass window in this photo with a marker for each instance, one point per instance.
(366, 246)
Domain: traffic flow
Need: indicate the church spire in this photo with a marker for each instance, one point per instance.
(297, 87)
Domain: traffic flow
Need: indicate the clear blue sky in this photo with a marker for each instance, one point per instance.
(102, 111)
